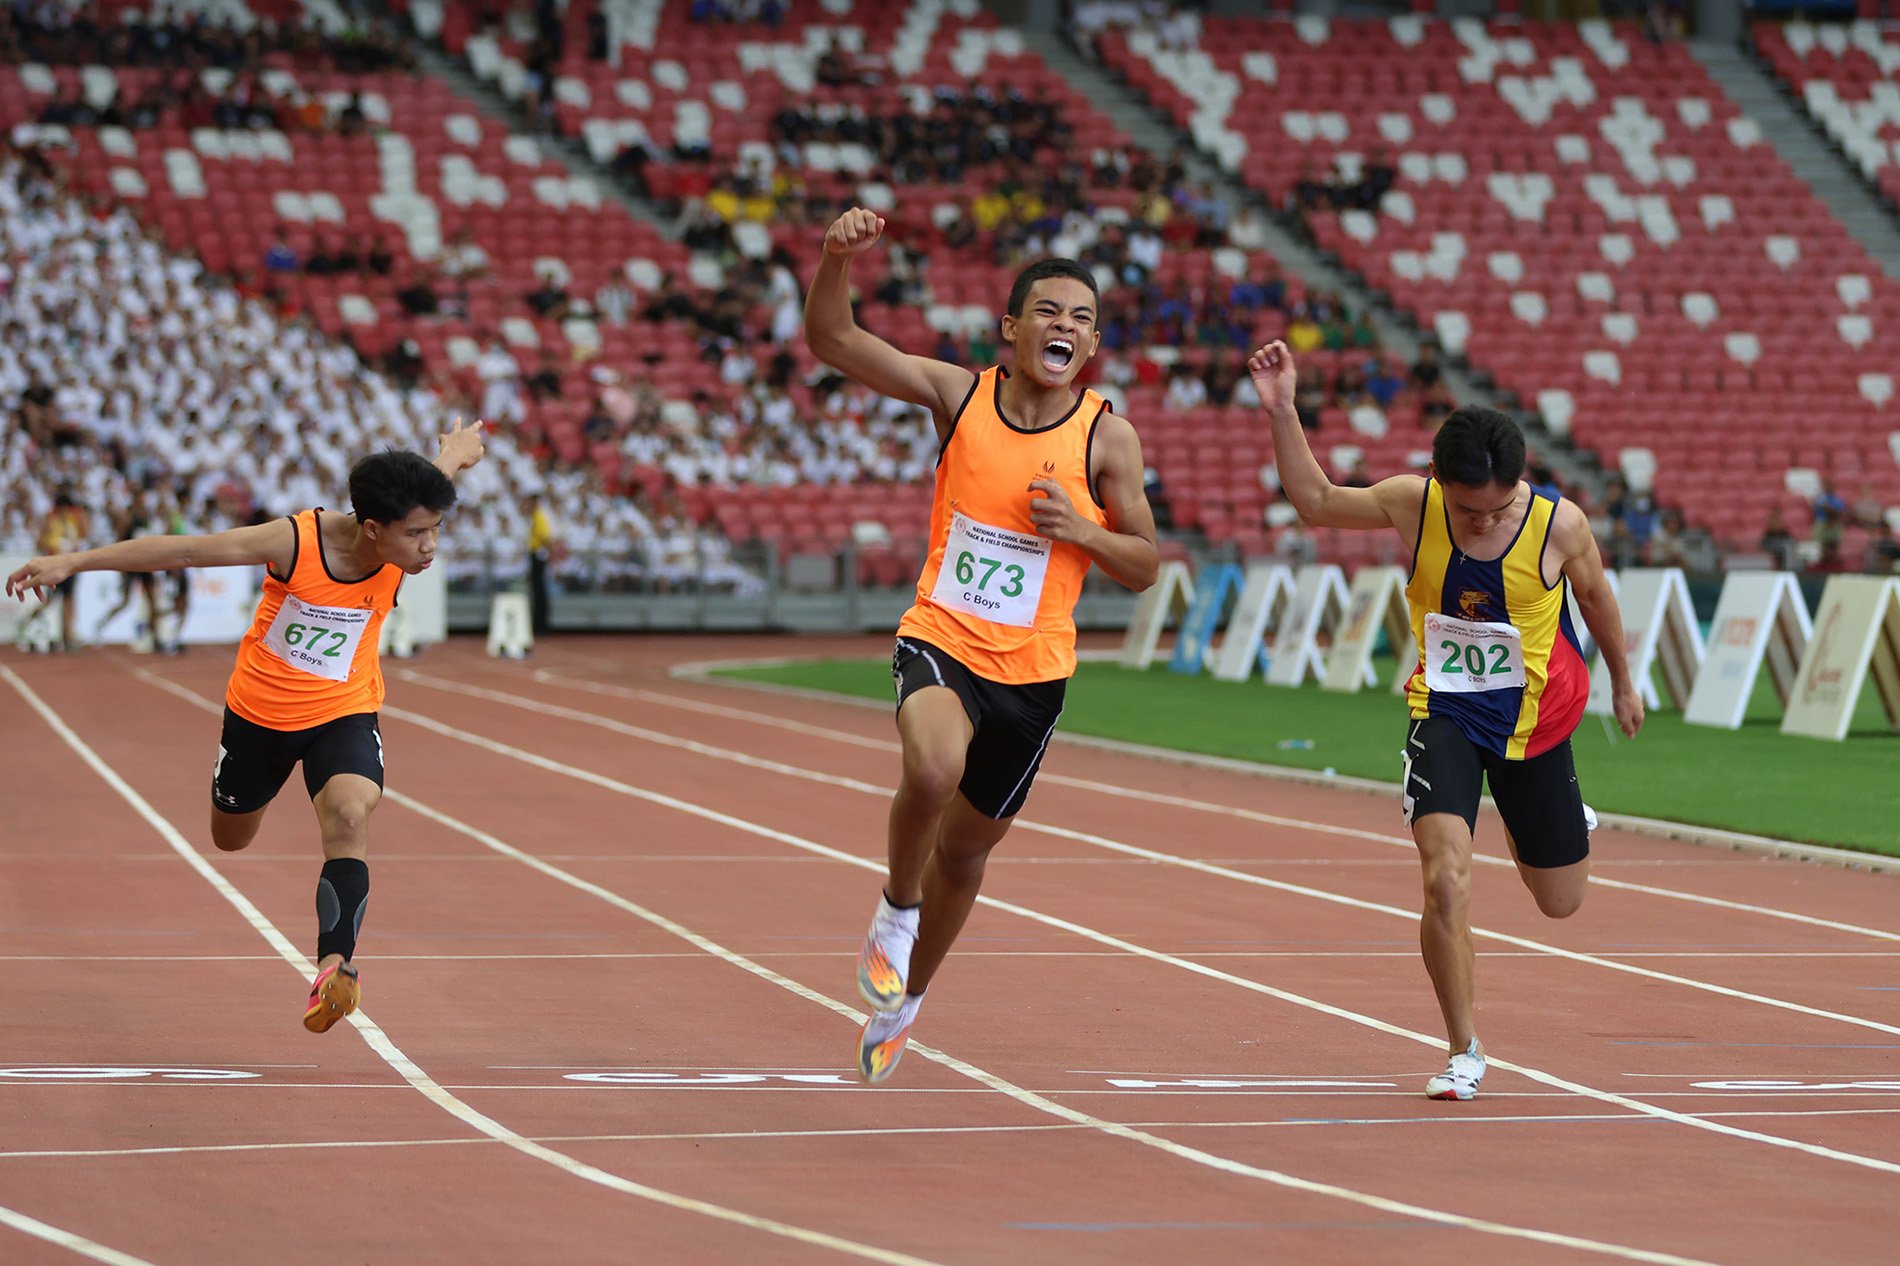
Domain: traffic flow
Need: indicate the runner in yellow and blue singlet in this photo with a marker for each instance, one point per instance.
(1500, 682)
(1497, 653)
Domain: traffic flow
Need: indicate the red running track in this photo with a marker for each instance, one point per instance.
(609, 1011)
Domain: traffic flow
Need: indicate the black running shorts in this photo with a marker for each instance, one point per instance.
(1013, 724)
(254, 760)
(1538, 798)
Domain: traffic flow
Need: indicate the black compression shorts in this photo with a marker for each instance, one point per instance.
(1013, 724)
(1538, 798)
(255, 760)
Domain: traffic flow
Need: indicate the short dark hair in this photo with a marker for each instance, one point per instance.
(386, 486)
(1043, 270)
(1477, 446)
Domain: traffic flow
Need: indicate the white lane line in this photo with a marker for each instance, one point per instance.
(1028, 1098)
(710, 673)
(747, 1136)
(973, 952)
(403, 1065)
(1150, 797)
(42, 1086)
(1101, 938)
(810, 846)
(1130, 850)
(67, 1240)
(1039, 1102)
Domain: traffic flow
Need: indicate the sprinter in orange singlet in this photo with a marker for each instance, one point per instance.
(309, 681)
(1035, 482)
(1500, 681)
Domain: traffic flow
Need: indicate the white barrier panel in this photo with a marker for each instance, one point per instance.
(1659, 628)
(1376, 600)
(421, 617)
(398, 640)
(13, 610)
(218, 609)
(427, 597)
(1194, 642)
(1264, 595)
(1857, 628)
(1170, 595)
(1319, 601)
(510, 627)
(1760, 616)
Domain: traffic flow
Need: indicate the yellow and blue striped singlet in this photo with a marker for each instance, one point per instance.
(1472, 606)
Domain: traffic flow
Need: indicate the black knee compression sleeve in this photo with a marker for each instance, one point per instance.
(342, 893)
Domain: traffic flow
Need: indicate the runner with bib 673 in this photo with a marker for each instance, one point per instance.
(1500, 682)
(1035, 483)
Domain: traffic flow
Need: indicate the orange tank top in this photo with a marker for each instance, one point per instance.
(311, 653)
(994, 594)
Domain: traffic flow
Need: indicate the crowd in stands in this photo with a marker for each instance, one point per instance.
(60, 33)
(129, 376)
(1831, 515)
(1175, 24)
(1635, 532)
(183, 50)
(227, 440)
(244, 103)
(1362, 186)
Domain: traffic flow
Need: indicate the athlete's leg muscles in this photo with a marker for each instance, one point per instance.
(1547, 827)
(233, 831)
(69, 618)
(1558, 890)
(935, 731)
(343, 808)
(1444, 932)
(126, 597)
(951, 882)
(251, 767)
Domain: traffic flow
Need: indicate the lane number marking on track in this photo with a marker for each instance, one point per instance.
(1247, 1083)
(1780, 1084)
(112, 1072)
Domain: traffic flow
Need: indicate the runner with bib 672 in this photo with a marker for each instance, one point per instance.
(1500, 682)
(1035, 482)
(309, 680)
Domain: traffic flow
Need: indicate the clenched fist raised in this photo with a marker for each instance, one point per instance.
(854, 232)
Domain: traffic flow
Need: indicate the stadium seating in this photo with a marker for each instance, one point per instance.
(1847, 75)
(718, 87)
(1585, 216)
(1569, 208)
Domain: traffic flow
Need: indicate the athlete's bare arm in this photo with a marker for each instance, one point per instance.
(1391, 503)
(273, 544)
(1573, 542)
(460, 447)
(1125, 549)
(834, 336)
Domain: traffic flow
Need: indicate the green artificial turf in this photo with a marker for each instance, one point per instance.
(1754, 779)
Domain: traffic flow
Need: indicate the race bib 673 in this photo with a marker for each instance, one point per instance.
(992, 572)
